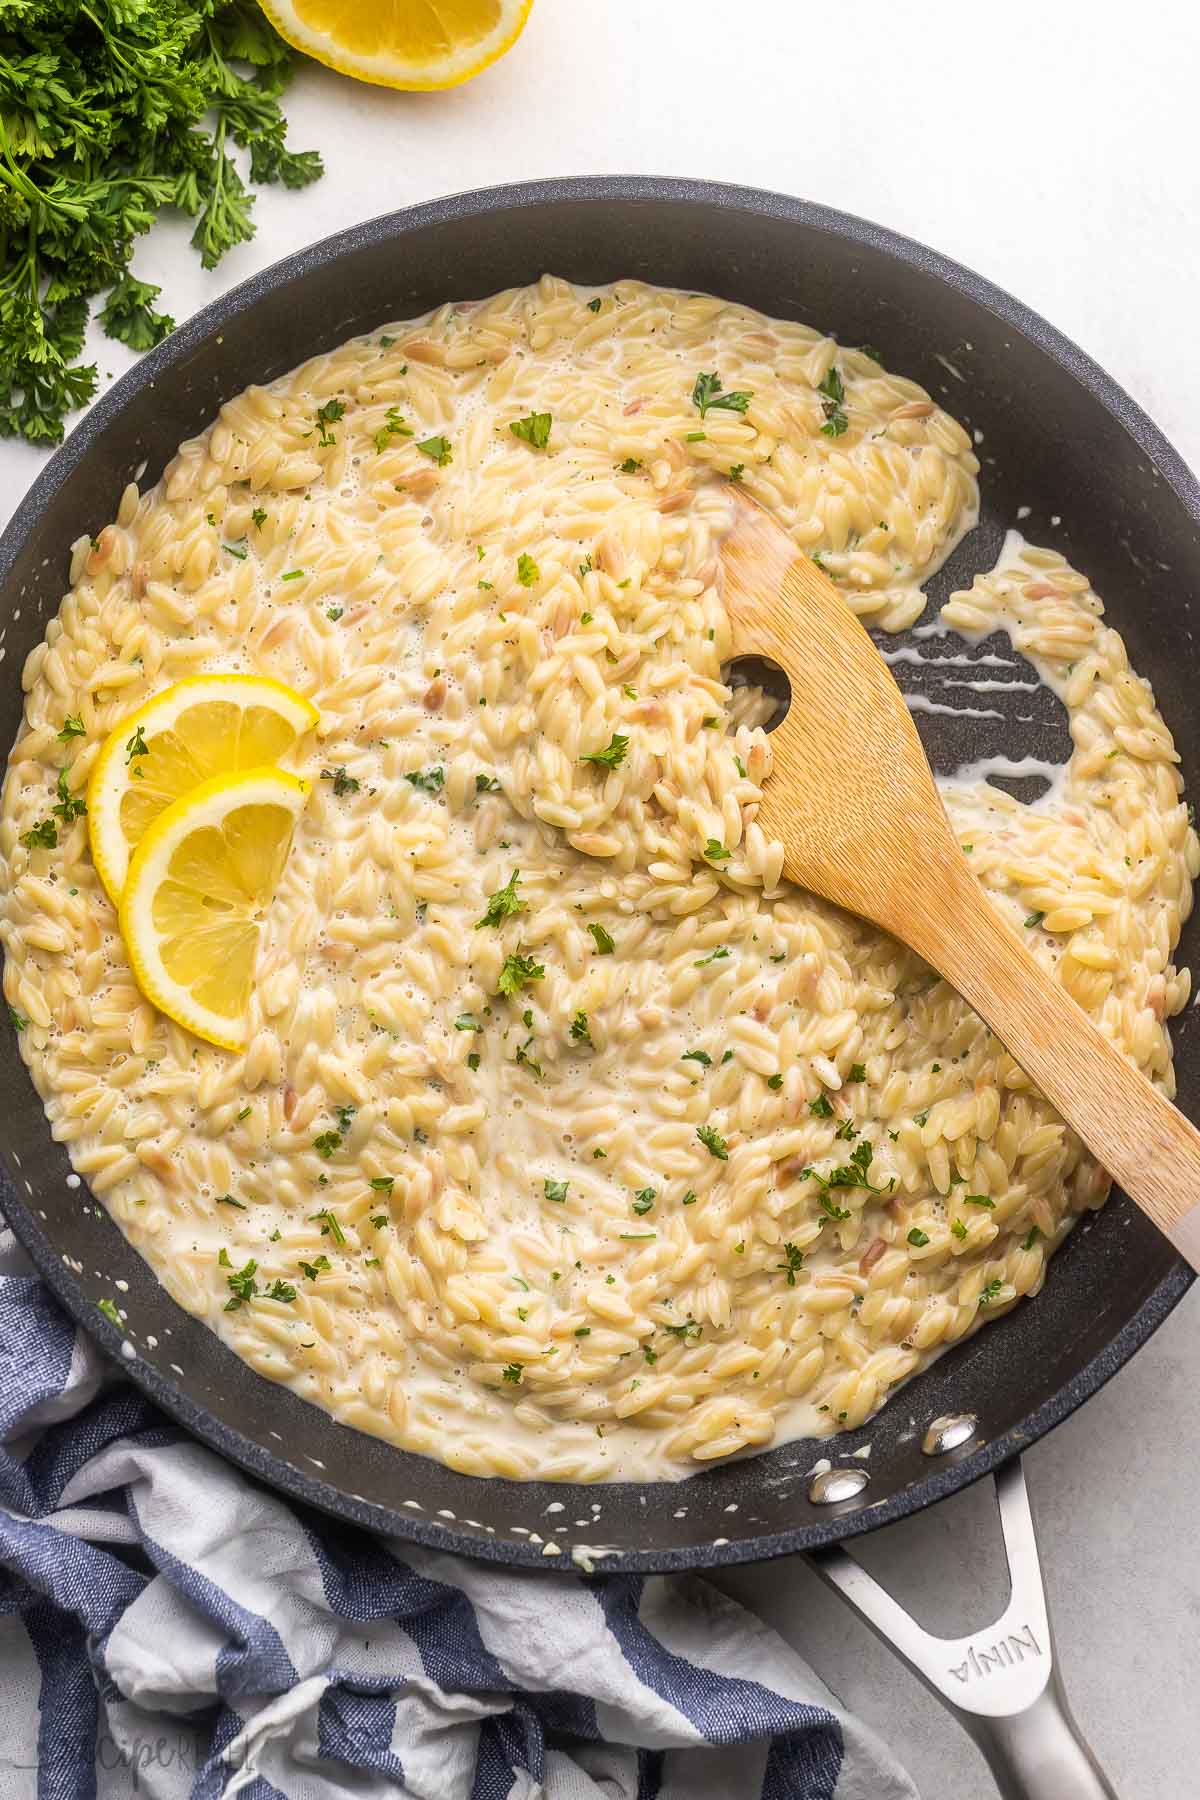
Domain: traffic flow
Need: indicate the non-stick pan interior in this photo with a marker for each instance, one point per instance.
(1055, 437)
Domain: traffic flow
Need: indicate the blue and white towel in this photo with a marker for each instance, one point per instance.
(170, 1629)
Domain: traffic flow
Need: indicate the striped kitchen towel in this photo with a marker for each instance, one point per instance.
(169, 1628)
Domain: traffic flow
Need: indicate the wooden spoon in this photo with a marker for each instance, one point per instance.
(853, 801)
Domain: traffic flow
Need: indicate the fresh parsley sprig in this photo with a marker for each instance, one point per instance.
(855, 1173)
(708, 395)
(111, 115)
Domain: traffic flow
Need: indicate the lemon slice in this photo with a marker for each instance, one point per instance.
(199, 885)
(207, 725)
(402, 43)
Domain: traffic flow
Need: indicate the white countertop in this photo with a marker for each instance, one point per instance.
(1054, 148)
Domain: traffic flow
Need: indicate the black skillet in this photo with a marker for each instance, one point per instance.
(1055, 435)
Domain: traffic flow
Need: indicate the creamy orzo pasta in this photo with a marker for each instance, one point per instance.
(542, 1049)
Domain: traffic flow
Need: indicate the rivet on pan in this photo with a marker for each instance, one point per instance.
(948, 1432)
(832, 1485)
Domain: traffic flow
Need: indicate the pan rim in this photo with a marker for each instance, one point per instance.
(196, 331)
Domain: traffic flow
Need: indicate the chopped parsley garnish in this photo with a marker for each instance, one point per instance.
(328, 415)
(833, 391)
(736, 473)
(690, 1198)
(242, 1286)
(430, 781)
(958, 1228)
(585, 568)
(344, 1116)
(502, 904)
(700, 1056)
(18, 1020)
(593, 306)
(775, 1081)
(523, 1056)
(467, 1022)
(473, 1061)
(393, 426)
(583, 1331)
(794, 1263)
(713, 956)
(42, 836)
(486, 784)
(630, 466)
(73, 727)
(312, 1269)
(342, 783)
(327, 1143)
(334, 613)
(604, 943)
(820, 1107)
(689, 1329)
(644, 1200)
(280, 1290)
(228, 1200)
(612, 756)
(979, 1200)
(580, 1030)
(715, 851)
(383, 1184)
(259, 518)
(527, 570)
(437, 449)
(855, 1173)
(555, 1190)
(136, 746)
(513, 1372)
(713, 1142)
(990, 1291)
(707, 395)
(70, 806)
(921, 1118)
(1034, 919)
(918, 1238)
(650, 1355)
(380, 1221)
(533, 430)
(858, 1072)
(329, 1225)
(1032, 1239)
(109, 1309)
(875, 355)
(847, 1130)
(832, 1209)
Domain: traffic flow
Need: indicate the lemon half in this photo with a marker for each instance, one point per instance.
(205, 726)
(192, 913)
(402, 43)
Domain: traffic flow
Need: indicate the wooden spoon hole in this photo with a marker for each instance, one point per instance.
(753, 671)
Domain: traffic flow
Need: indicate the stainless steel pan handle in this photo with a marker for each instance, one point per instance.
(1002, 1682)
